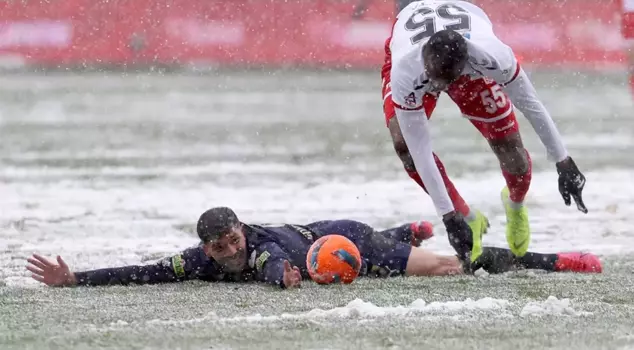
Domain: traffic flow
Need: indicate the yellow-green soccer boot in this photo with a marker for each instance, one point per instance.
(518, 232)
(479, 226)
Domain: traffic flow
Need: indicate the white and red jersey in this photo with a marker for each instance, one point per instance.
(488, 56)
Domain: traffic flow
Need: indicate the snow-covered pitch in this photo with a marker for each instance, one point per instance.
(111, 169)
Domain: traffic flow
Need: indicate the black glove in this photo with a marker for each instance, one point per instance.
(459, 234)
(571, 182)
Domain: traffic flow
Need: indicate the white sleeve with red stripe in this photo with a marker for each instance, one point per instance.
(524, 97)
(408, 104)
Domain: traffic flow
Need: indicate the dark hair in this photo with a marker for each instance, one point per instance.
(445, 54)
(215, 223)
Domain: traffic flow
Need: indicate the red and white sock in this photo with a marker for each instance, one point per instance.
(519, 184)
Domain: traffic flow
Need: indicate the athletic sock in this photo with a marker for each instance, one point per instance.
(519, 184)
(537, 261)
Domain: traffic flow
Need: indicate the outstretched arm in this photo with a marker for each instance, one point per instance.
(497, 61)
(189, 264)
(523, 95)
(412, 120)
(416, 133)
(492, 58)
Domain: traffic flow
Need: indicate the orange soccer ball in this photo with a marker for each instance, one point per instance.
(333, 259)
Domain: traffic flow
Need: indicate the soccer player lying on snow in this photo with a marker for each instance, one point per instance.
(233, 251)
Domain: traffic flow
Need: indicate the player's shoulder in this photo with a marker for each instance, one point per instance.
(267, 225)
(490, 52)
(408, 60)
(407, 77)
(261, 236)
(194, 251)
(264, 232)
(409, 83)
(407, 68)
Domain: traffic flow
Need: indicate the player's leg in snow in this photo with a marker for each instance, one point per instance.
(385, 256)
(499, 260)
(382, 255)
(516, 168)
(485, 104)
(413, 233)
(478, 223)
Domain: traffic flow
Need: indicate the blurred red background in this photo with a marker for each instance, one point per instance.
(316, 33)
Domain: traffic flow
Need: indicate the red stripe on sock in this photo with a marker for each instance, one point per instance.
(519, 184)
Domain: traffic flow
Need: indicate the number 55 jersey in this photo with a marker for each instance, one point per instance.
(488, 56)
(492, 82)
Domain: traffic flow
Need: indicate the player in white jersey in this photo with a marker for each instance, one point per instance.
(450, 46)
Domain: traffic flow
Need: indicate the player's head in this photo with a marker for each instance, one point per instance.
(445, 56)
(223, 238)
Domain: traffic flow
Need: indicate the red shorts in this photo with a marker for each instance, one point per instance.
(480, 100)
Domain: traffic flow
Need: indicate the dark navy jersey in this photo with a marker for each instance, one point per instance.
(267, 248)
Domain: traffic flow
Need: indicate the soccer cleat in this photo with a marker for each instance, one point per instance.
(421, 230)
(578, 262)
(518, 232)
(479, 226)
